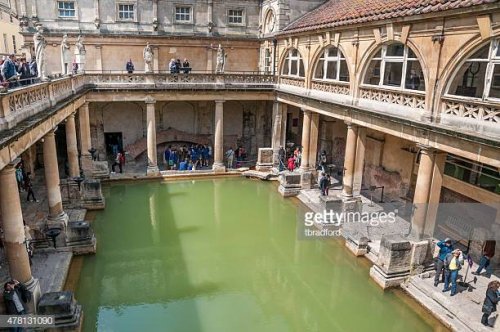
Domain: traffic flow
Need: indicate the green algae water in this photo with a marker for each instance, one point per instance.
(217, 255)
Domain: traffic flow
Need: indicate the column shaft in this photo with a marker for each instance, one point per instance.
(72, 147)
(151, 137)
(277, 118)
(422, 191)
(52, 176)
(313, 140)
(306, 130)
(284, 116)
(13, 227)
(435, 194)
(219, 136)
(83, 117)
(349, 160)
(359, 162)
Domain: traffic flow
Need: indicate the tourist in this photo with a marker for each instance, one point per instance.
(323, 183)
(186, 67)
(490, 301)
(183, 166)
(19, 177)
(129, 67)
(322, 161)
(172, 66)
(291, 163)
(484, 262)
(230, 157)
(9, 70)
(28, 186)
(24, 70)
(206, 156)
(33, 68)
(281, 158)
(16, 297)
(119, 161)
(166, 156)
(445, 247)
(328, 183)
(75, 67)
(452, 264)
(297, 154)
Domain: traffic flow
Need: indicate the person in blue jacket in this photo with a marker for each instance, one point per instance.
(445, 247)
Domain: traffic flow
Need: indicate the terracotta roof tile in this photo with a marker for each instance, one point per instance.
(336, 13)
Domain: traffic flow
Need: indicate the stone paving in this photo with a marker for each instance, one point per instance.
(461, 312)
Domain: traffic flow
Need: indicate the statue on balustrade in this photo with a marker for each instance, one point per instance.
(80, 54)
(148, 59)
(221, 60)
(65, 56)
(40, 43)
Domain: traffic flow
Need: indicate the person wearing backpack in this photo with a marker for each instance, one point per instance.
(490, 301)
(452, 264)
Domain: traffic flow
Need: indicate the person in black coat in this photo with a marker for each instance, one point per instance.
(490, 302)
(16, 297)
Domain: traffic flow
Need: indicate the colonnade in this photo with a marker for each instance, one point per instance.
(429, 177)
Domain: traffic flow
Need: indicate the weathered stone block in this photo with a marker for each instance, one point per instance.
(306, 179)
(92, 197)
(289, 184)
(264, 160)
(63, 306)
(395, 254)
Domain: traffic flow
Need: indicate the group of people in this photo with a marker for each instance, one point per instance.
(175, 66)
(324, 183)
(450, 260)
(292, 162)
(16, 72)
(24, 183)
(187, 158)
(239, 154)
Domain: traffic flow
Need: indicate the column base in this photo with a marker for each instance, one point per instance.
(61, 222)
(306, 178)
(153, 171)
(92, 198)
(33, 285)
(86, 164)
(289, 184)
(219, 168)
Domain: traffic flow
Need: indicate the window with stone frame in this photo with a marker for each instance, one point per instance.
(395, 66)
(235, 17)
(183, 14)
(267, 60)
(126, 12)
(332, 65)
(479, 75)
(293, 65)
(66, 9)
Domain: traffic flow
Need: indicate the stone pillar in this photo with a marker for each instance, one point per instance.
(151, 137)
(435, 194)
(14, 236)
(218, 165)
(306, 130)
(74, 168)
(359, 162)
(350, 157)
(57, 216)
(313, 141)
(276, 139)
(284, 116)
(422, 191)
(85, 142)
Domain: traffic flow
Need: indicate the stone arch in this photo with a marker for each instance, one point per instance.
(374, 47)
(124, 117)
(283, 58)
(456, 61)
(179, 115)
(317, 54)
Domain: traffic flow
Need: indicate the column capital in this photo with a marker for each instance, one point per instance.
(305, 110)
(51, 133)
(220, 101)
(71, 115)
(150, 100)
(349, 124)
(426, 149)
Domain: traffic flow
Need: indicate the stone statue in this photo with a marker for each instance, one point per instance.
(148, 59)
(221, 60)
(65, 56)
(40, 44)
(80, 55)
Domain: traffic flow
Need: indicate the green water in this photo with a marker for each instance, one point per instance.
(223, 255)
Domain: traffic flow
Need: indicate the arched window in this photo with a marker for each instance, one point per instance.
(479, 76)
(293, 66)
(397, 66)
(332, 66)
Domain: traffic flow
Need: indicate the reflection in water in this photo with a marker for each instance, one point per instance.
(224, 256)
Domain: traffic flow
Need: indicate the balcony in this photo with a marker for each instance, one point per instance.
(20, 103)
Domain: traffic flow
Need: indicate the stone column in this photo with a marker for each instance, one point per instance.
(359, 162)
(349, 160)
(14, 236)
(306, 130)
(284, 116)
(74, 168)
(276, 139)
(57, 216)
(151, 137)
(218, 165)
(313, 141)
(422, 191)
(85, 141)
(435, 193)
